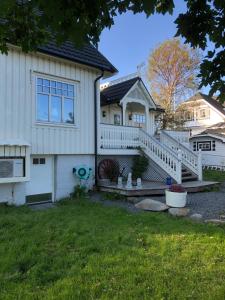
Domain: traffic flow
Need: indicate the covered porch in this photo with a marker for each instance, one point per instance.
(126, 102)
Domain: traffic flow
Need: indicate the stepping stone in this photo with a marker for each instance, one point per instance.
(196, 217)
(215, 221)
(151, 205)
(179, 212)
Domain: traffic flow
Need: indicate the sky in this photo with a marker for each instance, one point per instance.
(131, 39)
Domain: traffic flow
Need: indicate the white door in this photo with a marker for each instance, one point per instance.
(41, 184)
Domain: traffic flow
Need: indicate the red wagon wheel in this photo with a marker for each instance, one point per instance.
(108, 169)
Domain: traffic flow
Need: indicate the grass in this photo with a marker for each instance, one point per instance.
(214, 175)
(82, 250)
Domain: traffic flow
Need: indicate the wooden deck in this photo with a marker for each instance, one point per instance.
(156, 188)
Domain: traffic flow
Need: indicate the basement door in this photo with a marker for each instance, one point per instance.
(41, 185)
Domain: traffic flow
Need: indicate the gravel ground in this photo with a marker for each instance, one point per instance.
(211, 205)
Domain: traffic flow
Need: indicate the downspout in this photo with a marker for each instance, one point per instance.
(96, 126)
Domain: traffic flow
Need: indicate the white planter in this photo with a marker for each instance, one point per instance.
(176, 199)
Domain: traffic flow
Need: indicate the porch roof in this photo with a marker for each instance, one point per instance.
(114, 93)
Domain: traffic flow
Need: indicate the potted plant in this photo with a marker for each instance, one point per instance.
(176, 196)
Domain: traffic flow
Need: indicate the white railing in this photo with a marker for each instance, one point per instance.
(181, 136)
(161, 155)
(190, 159)
(118, 137)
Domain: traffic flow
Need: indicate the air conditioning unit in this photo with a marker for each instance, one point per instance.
(13, 167)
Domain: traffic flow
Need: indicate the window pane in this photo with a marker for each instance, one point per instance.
(59, 85)
(64, 86)
(46, 89)
(53, 91)
(46, 82)
(70, 94)
(39, 89)
(42, 107)
(68, 111)
(56, 109)
(71, 90)
(53, 83)
(59, 92)
(65, 93)
(39, 81)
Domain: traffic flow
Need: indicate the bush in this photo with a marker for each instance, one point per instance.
(80, 191)
(140, 165)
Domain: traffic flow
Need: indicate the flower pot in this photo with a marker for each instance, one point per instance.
(175, 199)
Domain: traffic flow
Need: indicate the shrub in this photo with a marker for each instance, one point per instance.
(140, 165)
(80, 191)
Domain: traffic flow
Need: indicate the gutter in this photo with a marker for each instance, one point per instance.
(96, 126)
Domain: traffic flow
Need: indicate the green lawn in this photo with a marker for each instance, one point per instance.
(80, 250)
(214, 175)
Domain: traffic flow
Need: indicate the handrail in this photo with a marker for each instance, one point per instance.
(162, 155)
(190, 159)
(160, 144)
(176, 141)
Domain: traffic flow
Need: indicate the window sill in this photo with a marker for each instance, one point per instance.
(72, 126)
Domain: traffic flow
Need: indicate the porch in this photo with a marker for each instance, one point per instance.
(150, 188)
(171, 156)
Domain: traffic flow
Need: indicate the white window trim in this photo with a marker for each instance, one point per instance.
(76, 84)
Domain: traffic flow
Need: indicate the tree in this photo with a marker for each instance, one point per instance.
(172, 72)
(27, 23)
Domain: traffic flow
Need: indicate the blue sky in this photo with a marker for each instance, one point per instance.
(130, 40)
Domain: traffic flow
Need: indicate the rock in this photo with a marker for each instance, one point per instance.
(215, 221)
(196, 217)
(179, 212)
(151, 205)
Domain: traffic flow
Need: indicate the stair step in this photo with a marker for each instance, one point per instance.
(186, 173)
(190, 178)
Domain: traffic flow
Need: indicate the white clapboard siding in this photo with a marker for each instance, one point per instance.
(18, 105)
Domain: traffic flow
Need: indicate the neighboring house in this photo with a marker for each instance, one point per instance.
(212, 144)
(201, 112)
(47, 105)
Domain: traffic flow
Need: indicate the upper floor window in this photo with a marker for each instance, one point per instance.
(203, 113)
(55, 101)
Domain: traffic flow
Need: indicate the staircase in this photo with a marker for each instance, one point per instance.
(187, 175)
(177, 160)
(191, 161)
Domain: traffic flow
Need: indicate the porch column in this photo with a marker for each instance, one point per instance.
(124, 113)
(147, 119)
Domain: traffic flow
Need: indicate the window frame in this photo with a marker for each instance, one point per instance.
(62, 80)
(139, 118)
(209, 143)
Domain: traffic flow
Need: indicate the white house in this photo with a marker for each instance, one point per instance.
(47, 119)
(212, 144)
(201, 112)
(53, 120)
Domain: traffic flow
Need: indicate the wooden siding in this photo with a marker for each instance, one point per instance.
(18, 104)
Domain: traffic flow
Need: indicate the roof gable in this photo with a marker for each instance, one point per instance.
(212, 102)
(116, 92)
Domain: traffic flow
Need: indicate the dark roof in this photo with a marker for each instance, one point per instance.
(216, 129)
(216, 104)
(87, 55)
(116, 92)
